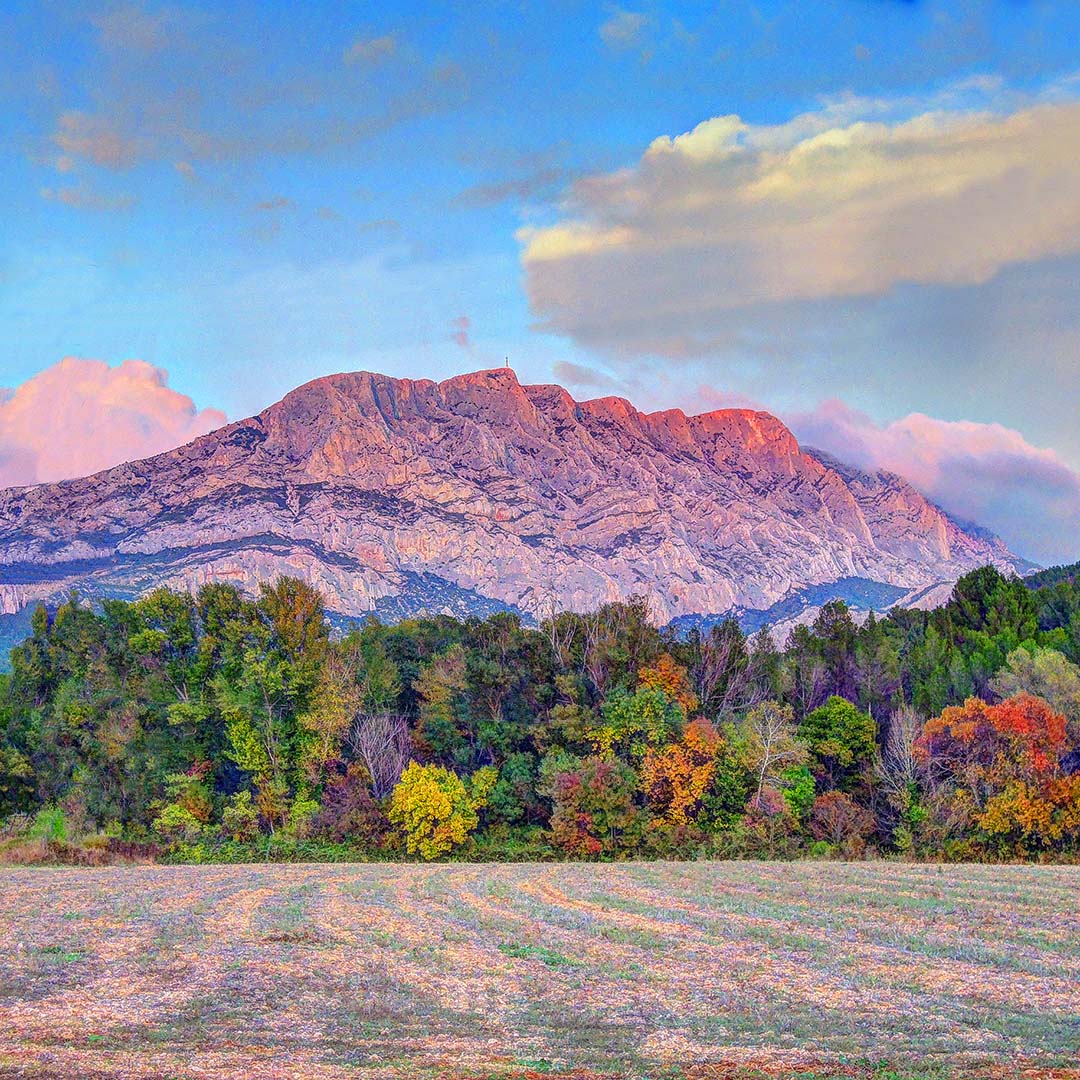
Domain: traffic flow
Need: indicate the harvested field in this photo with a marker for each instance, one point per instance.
(650, 969)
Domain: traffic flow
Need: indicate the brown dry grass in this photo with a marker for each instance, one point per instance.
(656, 970)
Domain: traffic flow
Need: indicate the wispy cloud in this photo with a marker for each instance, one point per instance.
(520, 188)
(95, 139)
(462, 325)
(83, 198)
(624, 29)
(133, 27)
(580, 376)
(178, 86)
(278, 202)
(371, 50)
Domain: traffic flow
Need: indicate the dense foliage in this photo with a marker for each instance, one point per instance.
(216, 725)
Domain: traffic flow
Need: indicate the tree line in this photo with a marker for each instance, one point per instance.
(217, 725)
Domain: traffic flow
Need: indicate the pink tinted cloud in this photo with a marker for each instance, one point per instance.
(80, 416)
(460, 336)
(984, 473)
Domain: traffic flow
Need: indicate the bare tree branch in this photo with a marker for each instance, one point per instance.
(381, 741)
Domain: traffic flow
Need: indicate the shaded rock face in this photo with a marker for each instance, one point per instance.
(401, 495)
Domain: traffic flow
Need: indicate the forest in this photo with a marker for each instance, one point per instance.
(220, 727)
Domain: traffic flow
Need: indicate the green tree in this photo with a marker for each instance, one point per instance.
(842, 741)
(267, 683)
(631, 723)
(445, 729)
(1043, 673)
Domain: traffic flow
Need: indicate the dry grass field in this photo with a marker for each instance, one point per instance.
(662, 970)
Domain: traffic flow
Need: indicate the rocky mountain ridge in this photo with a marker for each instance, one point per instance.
(399, 495)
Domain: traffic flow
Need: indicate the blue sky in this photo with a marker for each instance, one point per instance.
(252, 195)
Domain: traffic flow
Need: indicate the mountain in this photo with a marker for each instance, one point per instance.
(478, 493)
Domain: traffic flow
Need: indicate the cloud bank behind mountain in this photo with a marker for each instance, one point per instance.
(982, 473)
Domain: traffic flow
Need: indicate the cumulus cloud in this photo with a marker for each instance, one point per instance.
(80, 416)
(985, 473)
(846, 201)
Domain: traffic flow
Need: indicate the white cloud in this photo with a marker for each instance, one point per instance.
(849, 200)
(80, 416)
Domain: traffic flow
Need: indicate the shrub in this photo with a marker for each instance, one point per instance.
(49, 825)
(840, 822)
(240, 819)
(176, 822)
(798, 790)
(769, 830)
(15, 825)
(189, 790)
(302, 814)
(349, 810)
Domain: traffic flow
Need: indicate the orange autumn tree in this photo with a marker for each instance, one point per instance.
(672, 678)
(1000, 765)
(676, 776)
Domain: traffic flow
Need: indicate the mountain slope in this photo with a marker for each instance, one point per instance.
(399, 495)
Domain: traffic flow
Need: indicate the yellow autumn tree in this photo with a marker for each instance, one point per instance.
(435, 809)
(672, 678)
(676, 776)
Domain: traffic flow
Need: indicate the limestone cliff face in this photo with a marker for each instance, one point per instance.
(398, 495)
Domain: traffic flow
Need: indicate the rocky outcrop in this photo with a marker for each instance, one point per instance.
(397, 495)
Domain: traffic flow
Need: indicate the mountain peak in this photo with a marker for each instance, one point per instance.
(483, 377)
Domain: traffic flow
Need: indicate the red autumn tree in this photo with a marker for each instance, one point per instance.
(594, 806)
(1000, 768)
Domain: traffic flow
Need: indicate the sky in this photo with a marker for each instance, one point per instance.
(862, 215)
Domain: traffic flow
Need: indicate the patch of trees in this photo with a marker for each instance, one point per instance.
(219, 725)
